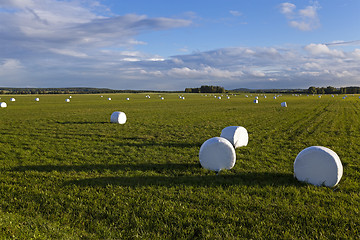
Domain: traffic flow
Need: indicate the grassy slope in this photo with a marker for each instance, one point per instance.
(67, 173)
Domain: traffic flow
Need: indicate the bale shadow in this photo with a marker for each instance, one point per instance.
(81, 122)
(177, 174)
(241, 179)
(157, 167)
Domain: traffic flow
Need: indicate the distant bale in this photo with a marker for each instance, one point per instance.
(318, 166)
(109, 98)
(118, 117)
(217, 154)
(3, 104)
(237, 135)
(256, 101)
(274, 97)
(67, 100)
(127, 99)
(12, 99)
(37, 99)
(283, 104)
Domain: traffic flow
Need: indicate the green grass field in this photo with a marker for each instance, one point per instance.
(67, 173)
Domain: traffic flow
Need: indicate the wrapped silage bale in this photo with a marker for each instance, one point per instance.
(219, 97)
(283, 104)
(3, 104)
(274, 97)
(37, 99)
(109, 98)
(256, 101)
(217, 154)
(70, 96)
(12, 99)
(256, 97)
(67, 100)
(118, 117)
(127, 99)
(319, 166)
(236, 135)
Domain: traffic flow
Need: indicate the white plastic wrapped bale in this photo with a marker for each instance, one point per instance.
(37, 99)
(127, 99)
(318, 166)
(217, 154)
(67, 100)
(274, 97)
(256, 101)
(109, 98)
(283, 104)
(118, 117)
(238, 136)
(3, 104)
(12, 99)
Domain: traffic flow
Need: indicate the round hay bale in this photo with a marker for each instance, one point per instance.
(283, 104)
(3, 104)
(12, 99)
(318, 166)
(67, 100)
(274, 97)
(162, 98)
(237, 135)
(70, 96)
(127, 99)
(256, 101)
(217, 154)
(37, 99)
(118, 117)
(109, 98)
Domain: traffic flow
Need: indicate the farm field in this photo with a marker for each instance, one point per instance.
(68, 173)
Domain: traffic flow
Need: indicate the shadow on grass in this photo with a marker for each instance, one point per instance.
(177, 174)
(81, 122)
(164, 167)
(240, 179)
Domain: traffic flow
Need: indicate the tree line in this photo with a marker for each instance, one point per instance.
(333, 90)
(206, 89)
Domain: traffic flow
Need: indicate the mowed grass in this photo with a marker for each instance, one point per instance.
(66, 172)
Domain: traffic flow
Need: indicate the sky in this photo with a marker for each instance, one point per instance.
(173, 45)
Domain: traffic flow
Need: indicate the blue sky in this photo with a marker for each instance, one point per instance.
(171, 45)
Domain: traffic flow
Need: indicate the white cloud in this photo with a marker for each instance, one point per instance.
(235, 13)
(322, 49)
(287, 8)
(304, 19)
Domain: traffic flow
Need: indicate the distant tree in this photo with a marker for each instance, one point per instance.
(312, 90)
